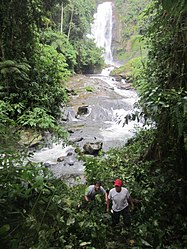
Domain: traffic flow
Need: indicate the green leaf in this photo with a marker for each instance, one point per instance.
(5, 228)
(145, 243)
(85, 244)
(39, 180)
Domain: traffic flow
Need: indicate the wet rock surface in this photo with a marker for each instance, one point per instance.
(88, 114)
(91, 117)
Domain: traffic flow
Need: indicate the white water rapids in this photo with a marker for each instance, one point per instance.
(117, 133)
(106, 116)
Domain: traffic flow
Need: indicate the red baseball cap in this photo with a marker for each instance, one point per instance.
(118, 182)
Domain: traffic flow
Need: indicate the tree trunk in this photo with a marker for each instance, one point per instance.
(61, 20)
(70, 22)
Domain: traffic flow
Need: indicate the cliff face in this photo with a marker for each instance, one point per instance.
(117, 31)
(126, 28)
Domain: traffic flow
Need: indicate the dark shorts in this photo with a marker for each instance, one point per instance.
(125, 214)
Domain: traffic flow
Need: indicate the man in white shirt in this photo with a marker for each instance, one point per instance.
(94, 190)
(90, 194)
(121, 199)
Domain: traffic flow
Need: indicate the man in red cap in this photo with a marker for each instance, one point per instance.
(121, 199)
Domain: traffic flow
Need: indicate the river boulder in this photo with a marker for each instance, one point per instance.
(92, 148)
(82, 110)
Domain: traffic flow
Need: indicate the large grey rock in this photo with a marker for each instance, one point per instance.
(92, 148)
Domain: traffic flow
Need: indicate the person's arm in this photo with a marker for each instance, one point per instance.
(107, 205)
(104, 192)
(108, 201)
(106, 197)
(87, 193)
(86, 198)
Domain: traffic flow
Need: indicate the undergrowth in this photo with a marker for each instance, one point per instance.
(40, 211)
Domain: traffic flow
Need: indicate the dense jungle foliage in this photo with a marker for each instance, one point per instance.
(128, 44)
(36, 59)
(128, 29)
(39, 211)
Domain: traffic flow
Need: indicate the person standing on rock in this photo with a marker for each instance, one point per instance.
(120, 198)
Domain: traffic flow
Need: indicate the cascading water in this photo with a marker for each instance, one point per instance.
(107, 110)
(101, 29)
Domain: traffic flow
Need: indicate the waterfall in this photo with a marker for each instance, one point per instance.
(101, 29)
(107, 108)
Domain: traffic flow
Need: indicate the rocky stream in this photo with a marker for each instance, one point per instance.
(95, 114)
(94, 118)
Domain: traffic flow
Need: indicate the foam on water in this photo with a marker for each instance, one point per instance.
(50, 155)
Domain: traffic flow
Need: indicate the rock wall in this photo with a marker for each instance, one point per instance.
(117, 43)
